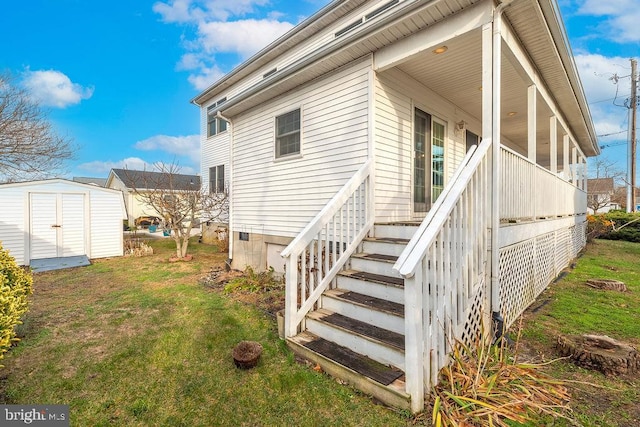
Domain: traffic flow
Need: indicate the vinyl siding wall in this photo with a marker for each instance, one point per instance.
(396, 95)
(12, 223)
(106, 224)
(280, 196)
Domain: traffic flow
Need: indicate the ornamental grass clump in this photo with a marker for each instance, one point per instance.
(15, 286)
(485, 385)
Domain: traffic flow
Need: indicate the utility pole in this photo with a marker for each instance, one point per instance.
(631, 195)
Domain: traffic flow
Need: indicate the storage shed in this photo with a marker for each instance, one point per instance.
(58, 218)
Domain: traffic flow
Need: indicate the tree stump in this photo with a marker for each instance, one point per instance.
(601, 353)
(246, 354)
(607, 285)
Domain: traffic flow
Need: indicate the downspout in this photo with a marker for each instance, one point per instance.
(496, 316)
(230, 192)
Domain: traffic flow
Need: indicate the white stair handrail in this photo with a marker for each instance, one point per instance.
(437, 216)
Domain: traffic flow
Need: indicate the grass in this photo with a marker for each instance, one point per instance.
(571, 307)
(137, 341)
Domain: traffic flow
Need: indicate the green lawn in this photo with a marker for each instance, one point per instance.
(571, 307)
(137, 341)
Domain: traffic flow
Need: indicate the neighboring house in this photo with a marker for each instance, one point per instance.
(127, 181)
(57, 218)
(100, 182)
(600, 193)
(417, 166)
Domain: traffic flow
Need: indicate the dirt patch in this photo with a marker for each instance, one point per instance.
(270, 301)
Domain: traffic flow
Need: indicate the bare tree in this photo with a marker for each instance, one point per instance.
(180, 202)
(605, 176)
(29, 147)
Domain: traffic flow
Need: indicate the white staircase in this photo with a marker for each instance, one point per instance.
(356, 332)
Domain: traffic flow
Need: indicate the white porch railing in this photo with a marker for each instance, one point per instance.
(444, 266)
(529, 192)
(317, 254)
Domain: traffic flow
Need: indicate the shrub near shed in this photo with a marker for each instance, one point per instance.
(15, 286)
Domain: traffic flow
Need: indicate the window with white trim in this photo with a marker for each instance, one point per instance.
(215, 124)
(216, 179)
(288, 134)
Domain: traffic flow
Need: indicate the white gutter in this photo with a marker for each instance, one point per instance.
(230, 193)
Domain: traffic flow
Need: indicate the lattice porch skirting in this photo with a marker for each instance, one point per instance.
(528, 267)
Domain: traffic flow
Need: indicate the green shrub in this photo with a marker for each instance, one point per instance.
(15, 286)
(626, 226)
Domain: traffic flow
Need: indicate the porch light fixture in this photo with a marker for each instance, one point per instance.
(439, 50)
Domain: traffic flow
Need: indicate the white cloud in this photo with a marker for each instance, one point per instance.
(623, 18)
(599, 74)
(54, 89)
(205, 77)
(218, 31)
(188, 146)
(99, 167)
(185, 11)
(244, 37)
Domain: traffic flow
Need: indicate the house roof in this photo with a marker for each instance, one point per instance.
(156, 180)
(536, 23)
(600, 186)
(100, 182)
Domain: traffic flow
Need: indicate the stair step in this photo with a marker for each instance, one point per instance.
(404, 230)
(377, 257)
(354, 368)
(387, 246)
(384, 336)
(376, 285)
(365, 308)
(372, 277)
(355, 361)
(373, 303)
(375, 263)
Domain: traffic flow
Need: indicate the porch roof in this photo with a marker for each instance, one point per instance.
(536, 23)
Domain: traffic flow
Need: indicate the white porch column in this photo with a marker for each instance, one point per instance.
(532, 126)
(553, 144)
(574, 165)
(565, 158)
(495, 159)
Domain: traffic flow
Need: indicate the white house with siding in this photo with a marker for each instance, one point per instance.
(58, 218)
(414, 167)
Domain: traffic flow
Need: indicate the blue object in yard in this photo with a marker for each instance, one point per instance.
(153, 228)
(166, 232)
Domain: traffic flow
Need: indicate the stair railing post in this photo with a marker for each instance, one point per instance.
(414, 339)
(291, 299)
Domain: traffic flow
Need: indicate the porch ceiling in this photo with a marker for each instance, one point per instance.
(456, 75)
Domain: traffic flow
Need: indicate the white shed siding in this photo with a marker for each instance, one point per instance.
(92, 214)
(73, 224)
(106, 220)
(396, 94)
(334, 127)
(12, 232)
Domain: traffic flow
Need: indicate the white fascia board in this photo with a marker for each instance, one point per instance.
(447, 29)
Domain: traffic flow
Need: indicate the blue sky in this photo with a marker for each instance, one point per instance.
(117, 77)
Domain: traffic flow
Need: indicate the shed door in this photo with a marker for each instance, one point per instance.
(57, 225)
